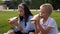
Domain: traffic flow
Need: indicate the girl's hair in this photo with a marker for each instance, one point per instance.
(27, 12)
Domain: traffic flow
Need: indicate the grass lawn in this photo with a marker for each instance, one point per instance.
(5, 15)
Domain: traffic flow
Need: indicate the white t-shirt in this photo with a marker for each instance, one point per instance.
(50, 23)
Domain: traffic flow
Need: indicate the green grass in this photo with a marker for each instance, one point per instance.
(5, 15)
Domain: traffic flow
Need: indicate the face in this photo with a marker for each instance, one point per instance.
(20, 11)
(44, 12)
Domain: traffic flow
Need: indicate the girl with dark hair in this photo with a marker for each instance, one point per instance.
(24, 25)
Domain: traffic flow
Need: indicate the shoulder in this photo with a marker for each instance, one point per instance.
(51, 19)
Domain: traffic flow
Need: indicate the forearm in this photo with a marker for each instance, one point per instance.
(41, 29)
(36, 28)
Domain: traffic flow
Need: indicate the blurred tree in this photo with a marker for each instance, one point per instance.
(55, 3)
(13, 4)
(33, 3)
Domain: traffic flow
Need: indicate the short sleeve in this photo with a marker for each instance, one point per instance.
(52, 23)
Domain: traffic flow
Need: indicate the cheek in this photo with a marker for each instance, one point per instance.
(42, 14)
(21, 13)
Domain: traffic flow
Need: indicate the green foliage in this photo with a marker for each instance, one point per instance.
(55, 3)
(35, 3)
(1, 1)
(14, 4)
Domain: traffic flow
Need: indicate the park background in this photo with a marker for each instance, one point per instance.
(34, 7)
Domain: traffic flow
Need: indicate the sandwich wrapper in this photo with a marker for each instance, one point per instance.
(34, 18)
